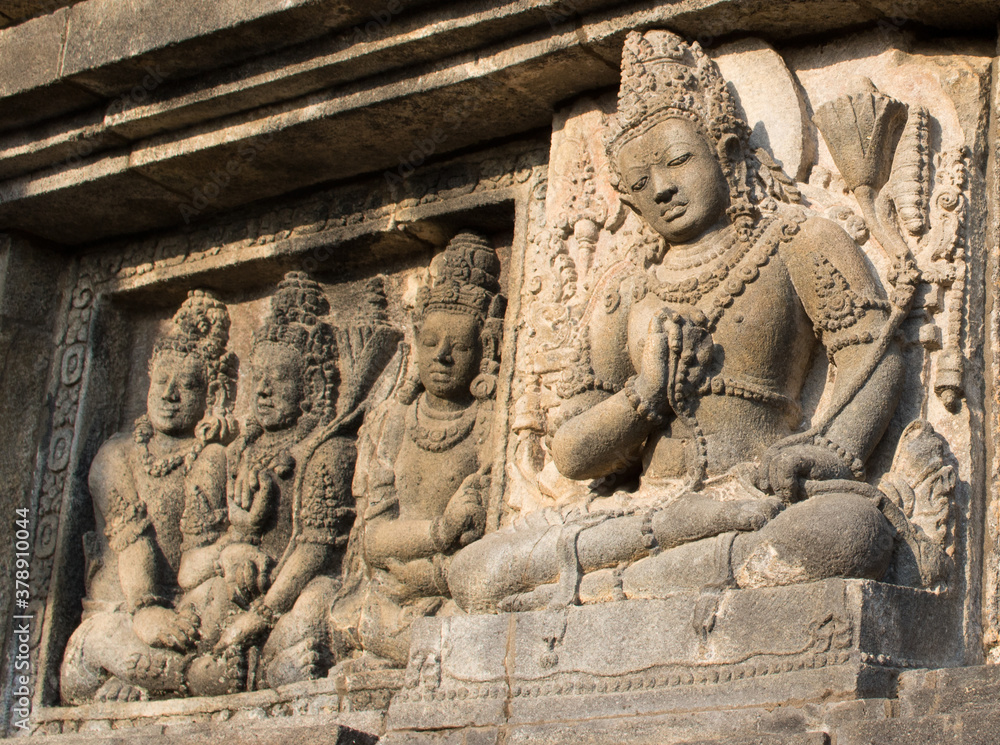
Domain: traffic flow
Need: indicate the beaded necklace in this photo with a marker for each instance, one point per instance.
(690, 290)
(437, 431)
(160, 467)
(743, 260)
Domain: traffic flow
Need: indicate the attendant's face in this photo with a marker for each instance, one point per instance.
(448, 353)
(672, 178)
(177, 393)
(276, 385)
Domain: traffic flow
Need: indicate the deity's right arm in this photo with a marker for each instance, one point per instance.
(601, 440)
(603, 432)
(126, 523)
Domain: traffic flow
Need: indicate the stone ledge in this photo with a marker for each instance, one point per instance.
(357, 700)
(138, 186)
(283, 76)
(13, 12)
(949, 691)
(313, 733)
(101, 45)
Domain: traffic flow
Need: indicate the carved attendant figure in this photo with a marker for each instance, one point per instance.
(424, 457)
(159, 496)
(701, 356)
(290, 473)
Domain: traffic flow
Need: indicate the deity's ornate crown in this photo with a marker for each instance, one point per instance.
(465, 279)
(295, 319)
(200, 327)
(664, 76)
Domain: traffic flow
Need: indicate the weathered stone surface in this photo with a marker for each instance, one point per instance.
(107, 48)
(30, 296)
(936, 692)
(31, 55)
(193, 156)
(757, 74)
(203, 734)
(718, 474)
(755, 647)
(18, 11)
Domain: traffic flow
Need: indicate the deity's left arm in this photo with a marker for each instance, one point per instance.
(848, 308)
(390, 541)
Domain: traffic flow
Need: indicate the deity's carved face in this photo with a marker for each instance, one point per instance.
(177, 393)
(448, 353)
(671, 176)
(277, 386)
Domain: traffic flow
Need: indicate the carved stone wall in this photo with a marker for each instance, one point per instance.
(638, 363)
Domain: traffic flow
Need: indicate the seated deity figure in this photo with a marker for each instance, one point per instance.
(156, 598)
(702, 355)
(290, 504)
(424, 459)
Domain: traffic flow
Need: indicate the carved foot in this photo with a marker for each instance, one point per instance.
(115, 689)
(306, 660)
(753, 514)
(216, 676)
(538, 599)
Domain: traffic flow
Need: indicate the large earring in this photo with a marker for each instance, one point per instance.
(484, 386)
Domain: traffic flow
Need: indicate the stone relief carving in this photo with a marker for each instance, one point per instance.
(424, 461)
(658, 444)
(291, 506)
(160, 497)
(216, 557)
(656, 420)
(302, 227)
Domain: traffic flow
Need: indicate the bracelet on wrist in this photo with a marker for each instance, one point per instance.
(440, 562)
(643, 408)
(237, 535)
(148, 600)
(437, 535)
(856, 466)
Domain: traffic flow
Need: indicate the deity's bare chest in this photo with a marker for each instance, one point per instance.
(428, 476)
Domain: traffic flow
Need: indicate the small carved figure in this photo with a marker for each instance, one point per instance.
(424, 459)
(698, 367)
(157, 599)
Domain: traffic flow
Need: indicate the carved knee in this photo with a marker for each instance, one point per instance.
(502, 564)
(831, 535)
(473, 576)
(79, 677)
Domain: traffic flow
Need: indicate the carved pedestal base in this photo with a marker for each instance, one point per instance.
(729, 656)
(355, 702)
